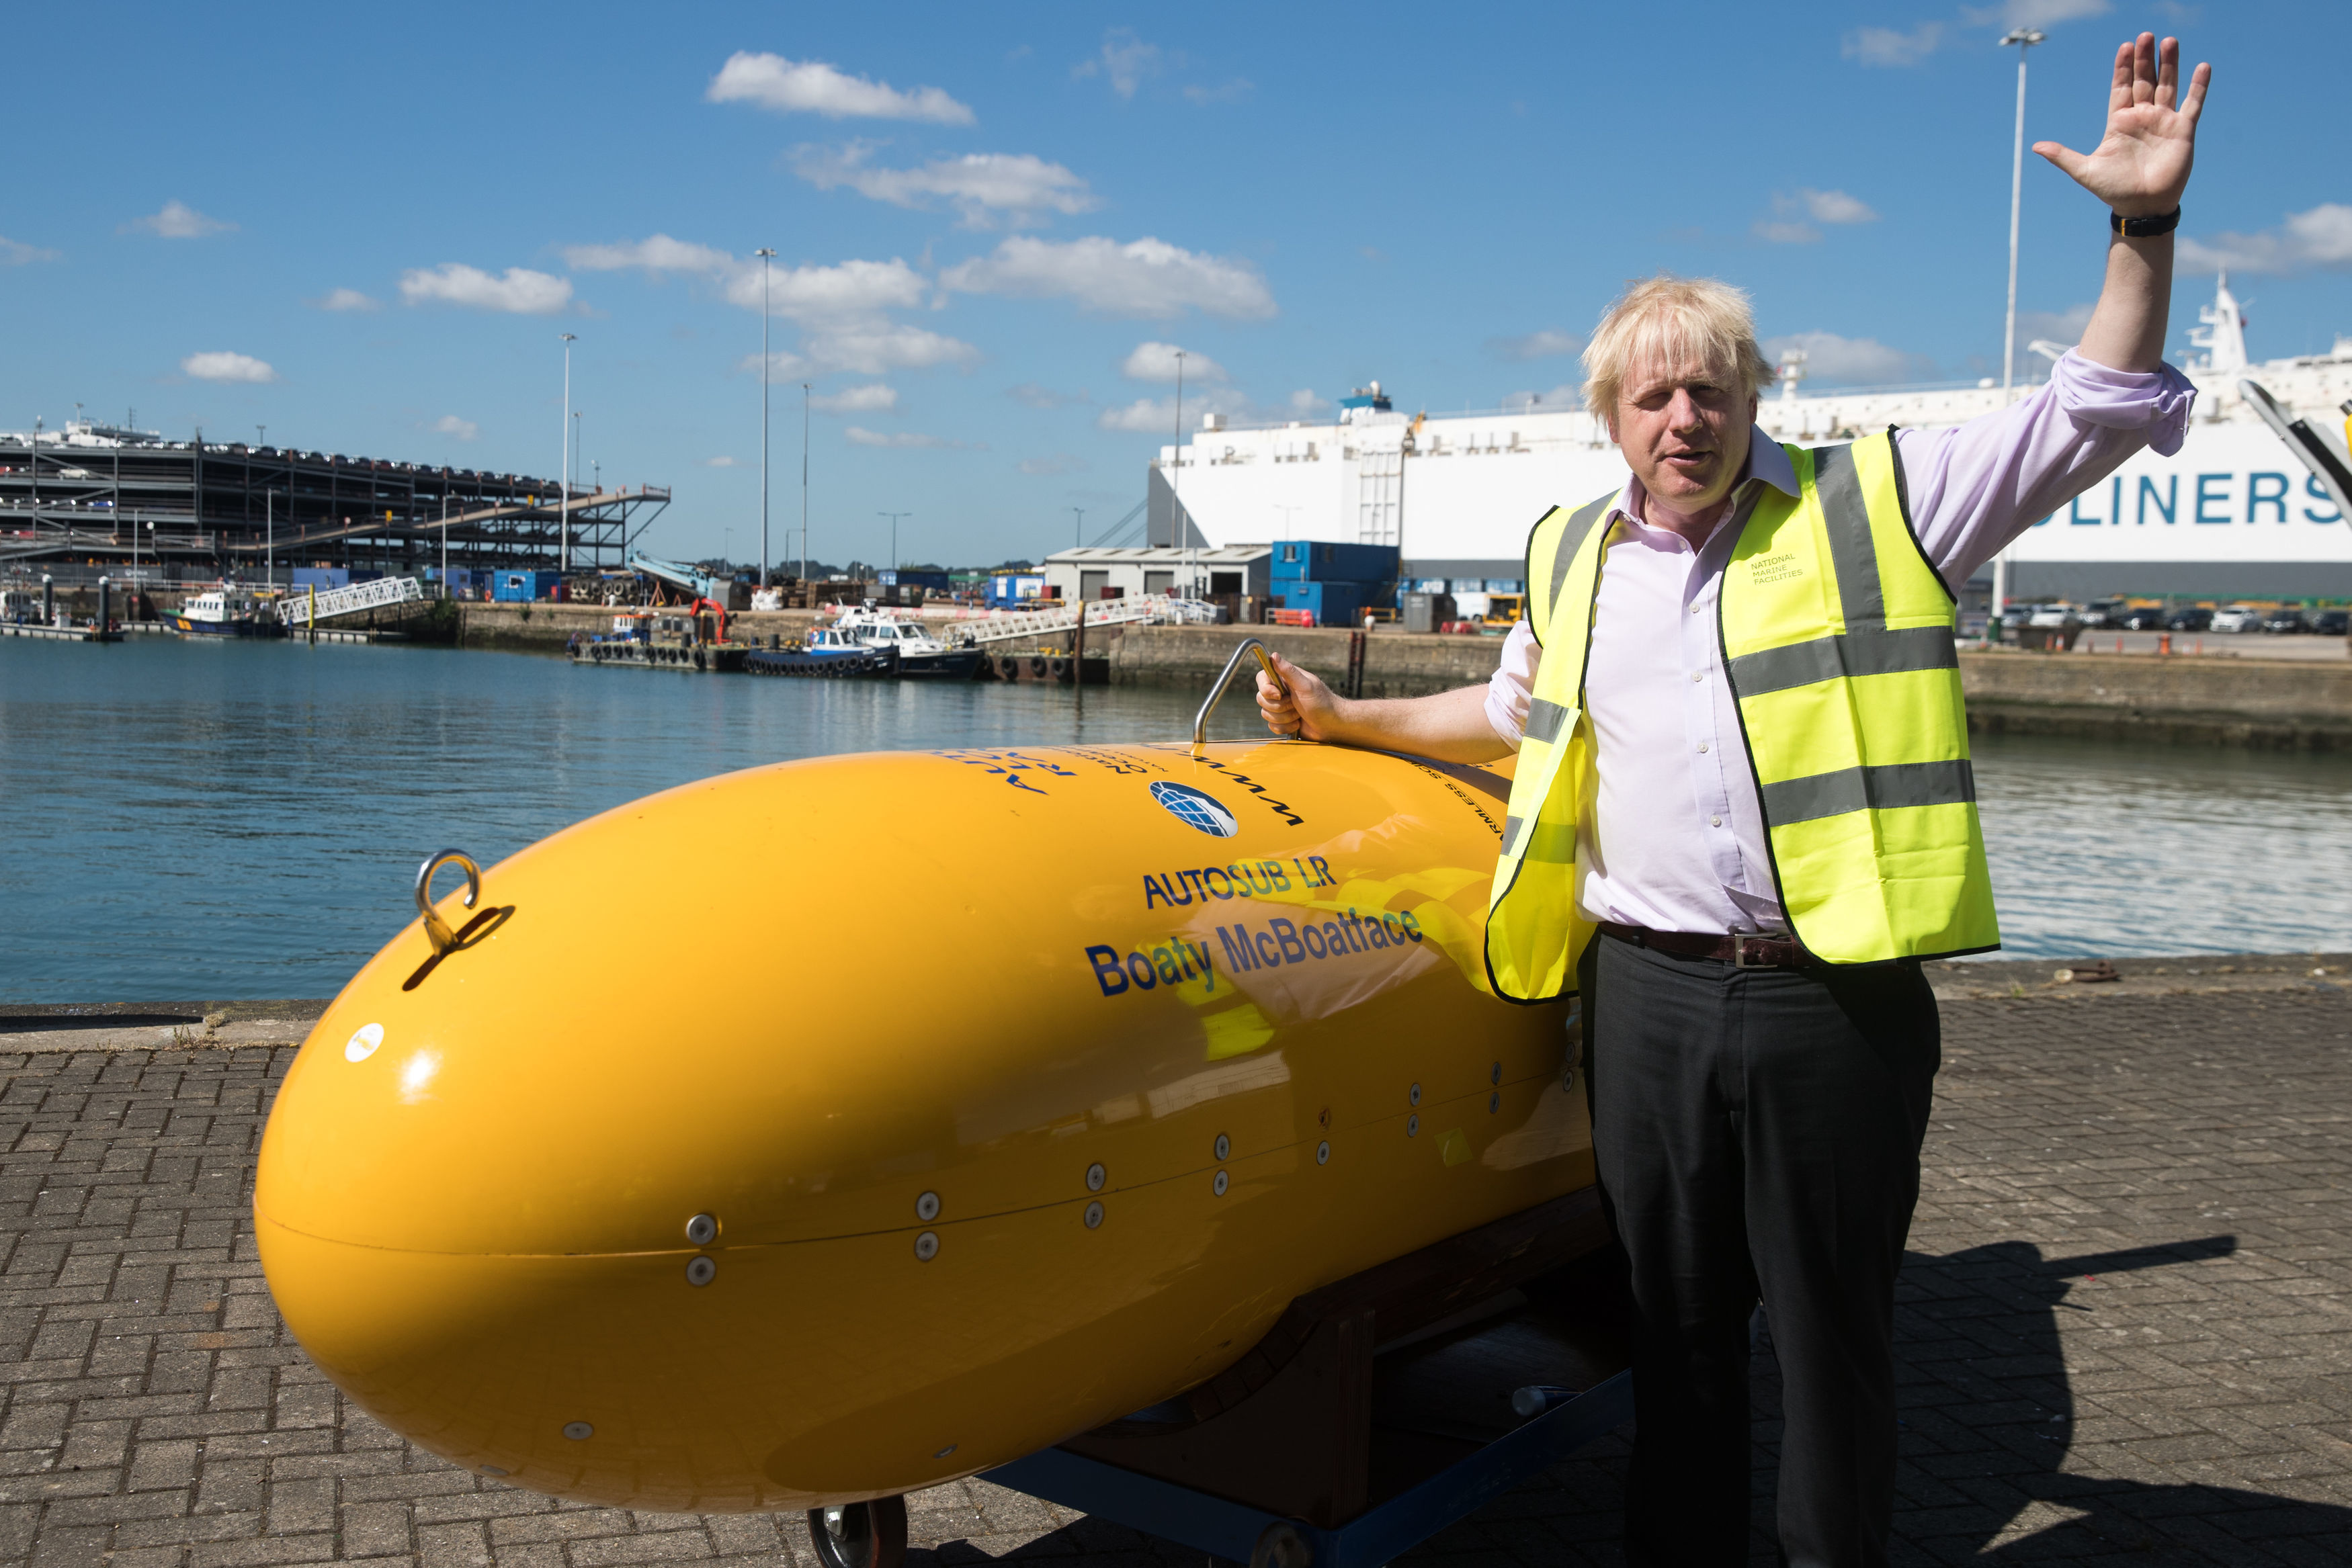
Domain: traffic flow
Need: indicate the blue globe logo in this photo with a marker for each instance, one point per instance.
(1197, 810)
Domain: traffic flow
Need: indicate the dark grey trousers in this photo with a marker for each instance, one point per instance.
(1758, 1133)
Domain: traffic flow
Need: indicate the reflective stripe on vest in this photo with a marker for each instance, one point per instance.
(1837, 637)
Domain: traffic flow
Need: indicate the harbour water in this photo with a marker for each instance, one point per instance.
(194, 821)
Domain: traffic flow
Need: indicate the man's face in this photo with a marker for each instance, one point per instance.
(1684, 432)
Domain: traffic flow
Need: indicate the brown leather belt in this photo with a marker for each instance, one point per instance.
(1741, 949)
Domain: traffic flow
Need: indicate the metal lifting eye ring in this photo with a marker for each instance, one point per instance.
(437, 930)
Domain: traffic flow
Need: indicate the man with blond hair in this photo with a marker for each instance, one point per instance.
(1743, 766)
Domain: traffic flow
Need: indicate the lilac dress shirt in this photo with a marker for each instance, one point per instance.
(1673, 839)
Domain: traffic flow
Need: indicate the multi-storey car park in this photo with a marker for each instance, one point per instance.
(91, 498)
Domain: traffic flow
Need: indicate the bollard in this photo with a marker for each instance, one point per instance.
(48, 601)
(105, 606)
(2164, 641)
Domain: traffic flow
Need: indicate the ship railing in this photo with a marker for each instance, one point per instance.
(297, 608)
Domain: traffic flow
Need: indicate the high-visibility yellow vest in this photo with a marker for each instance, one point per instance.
(1837, 637)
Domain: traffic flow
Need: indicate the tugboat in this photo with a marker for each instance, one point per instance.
(920, 654)
(227, 611)
(827, 652)
(662, 640)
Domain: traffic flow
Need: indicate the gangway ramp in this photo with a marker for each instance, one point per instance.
(298, 608)
(1034, 624)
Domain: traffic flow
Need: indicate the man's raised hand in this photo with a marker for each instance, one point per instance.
(2141, 166)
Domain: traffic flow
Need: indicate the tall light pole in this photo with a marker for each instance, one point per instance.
(766, 255)
(2024, 38)
(893, 518)
(1176, 480)
(805, 434)
(563, 467)
(1079, 528)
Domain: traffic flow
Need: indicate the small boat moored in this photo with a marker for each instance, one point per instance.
(920, 654)
(226, 611)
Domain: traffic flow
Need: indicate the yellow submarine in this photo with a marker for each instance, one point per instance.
(633, 1192)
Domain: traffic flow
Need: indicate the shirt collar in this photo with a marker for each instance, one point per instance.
(1766, 460)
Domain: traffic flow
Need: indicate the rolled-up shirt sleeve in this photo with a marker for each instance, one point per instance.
(1975, 487)
(1513, 683)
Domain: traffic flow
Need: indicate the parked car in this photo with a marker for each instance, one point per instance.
(2145, 618)
(2237, 618)
(2283, 622)
(2194, 618)
(2105, 614)
(2059, 614)
(2333, 623)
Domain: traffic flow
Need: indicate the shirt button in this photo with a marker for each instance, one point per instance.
(1698, 675)
(1696, 608)
(1702, 745)
(1715, 821)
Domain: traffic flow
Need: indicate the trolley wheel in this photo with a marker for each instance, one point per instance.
(861, 1534)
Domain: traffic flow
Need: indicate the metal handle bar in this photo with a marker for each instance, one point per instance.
(437, 930)
(1217, 691)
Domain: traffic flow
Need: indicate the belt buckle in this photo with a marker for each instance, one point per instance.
(1739, 941)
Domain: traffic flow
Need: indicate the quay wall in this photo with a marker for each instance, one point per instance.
(545, 628)
(2290, 705)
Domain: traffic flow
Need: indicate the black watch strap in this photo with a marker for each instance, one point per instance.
(2147, 227)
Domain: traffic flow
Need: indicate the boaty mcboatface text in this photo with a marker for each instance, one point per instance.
(1282, 942)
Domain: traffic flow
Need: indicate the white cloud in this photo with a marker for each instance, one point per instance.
(1157, 362)
(983, 187)
(1796, 213)
(1059, 462)
(1124, 59)
(16, 253)
(782, 366)
(845, 291)
(1143, 278)
(879, 350)
(1566, 395)
(1544, 345)
(180, 221)
(347, 299)
(227, 366)
(2034, 12)
(1157, 415)
(1862, 361)
(813, 86)
(874, 397)
(861, 436)
(2057, 325)
(2319, 239)
(1892, 46)
(521, 291)
(1830, 206)
(656, 254)
(1154, 415)
(1231, 93)
(1303, 402)
(718, 463)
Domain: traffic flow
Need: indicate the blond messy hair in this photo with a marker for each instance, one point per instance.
(1672, 321)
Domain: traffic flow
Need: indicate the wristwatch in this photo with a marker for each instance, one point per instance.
(2144, 228)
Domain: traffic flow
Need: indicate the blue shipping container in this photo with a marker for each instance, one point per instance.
(522, 587)
(1316, 561)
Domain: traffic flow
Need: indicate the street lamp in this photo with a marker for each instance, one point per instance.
(765, 255)
(1078, 529)
(893, 518)
(1176, 466)
(805, 438)
(563, 490)
(2024, 38)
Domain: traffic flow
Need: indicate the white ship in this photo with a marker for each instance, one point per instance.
(2234, 514)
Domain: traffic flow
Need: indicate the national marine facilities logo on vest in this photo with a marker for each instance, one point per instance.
(1197, 809)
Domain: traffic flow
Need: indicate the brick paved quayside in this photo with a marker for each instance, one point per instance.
(2126, 1330)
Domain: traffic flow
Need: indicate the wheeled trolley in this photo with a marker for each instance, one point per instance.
(1378, 1411)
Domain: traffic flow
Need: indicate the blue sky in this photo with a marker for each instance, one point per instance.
(366, 227)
